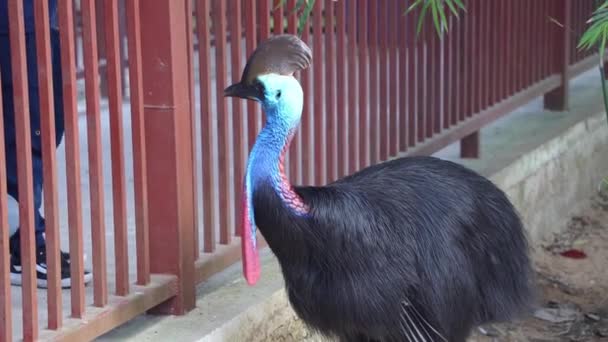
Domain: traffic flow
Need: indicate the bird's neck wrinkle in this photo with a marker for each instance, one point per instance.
(268, 164)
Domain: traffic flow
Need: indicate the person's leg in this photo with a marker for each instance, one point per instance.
(37, 170)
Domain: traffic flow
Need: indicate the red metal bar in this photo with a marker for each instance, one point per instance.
(49, 164)
(24, 167)
(393, 78)
(411, 78)
(295, 156)
(373, 84)
(320, 116)
(168, 118)
(72, 156)
(98, 236)
(448, 73)
(404, 82)
(341, 88)
(277, 16)
(330, 92)
(560, 35)
(420, 81)
(384, 77)
(138, 138)
(253, 112)
(456, 71)
(239, 125)
(226, 196)
(121, 250)
(509, 49)
(208, 129)
(521, 41)
(307, 123)
(531, 43)
(470, 63)
(436, 95)
(6, 325)
(364, 136)
(351, 123)
(189, 8)
(429, 77)
(264, 10)
(478, 33)
(465, 60)
(500, 57)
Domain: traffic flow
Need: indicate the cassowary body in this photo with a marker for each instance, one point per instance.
(416, 248)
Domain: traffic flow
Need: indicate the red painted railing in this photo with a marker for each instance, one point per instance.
(376, 90)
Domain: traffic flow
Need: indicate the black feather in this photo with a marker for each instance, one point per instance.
(421, 231)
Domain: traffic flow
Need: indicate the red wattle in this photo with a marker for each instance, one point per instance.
(250, 255)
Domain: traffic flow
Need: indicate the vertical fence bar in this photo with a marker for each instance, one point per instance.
(225, 155)
(510, 44)
(420, 81)
(341, 89)
(429, 67)
(253, 113)
(353, 115)
(404, 84)
(530, 43)
(448, 72)
(560, 35)
(6, 325)
(24, 169)
(113, 58)
(411, 78)
(72, 156)
(456, 79)
(277, 16)
(208, 129)
(469, 89)
(364, 137)
(265, 14)
(239, 124)
(91, 67)
(546, 42)
(373, 83)
(189, 9)
(521, 41)
(49, 164)
(393, 81)
(295, 157)
(308, 120)
(168, 119)
(320, 116)
(330, 92)
(436, 95)
(478, 56)
(138, 138)
(383, 77)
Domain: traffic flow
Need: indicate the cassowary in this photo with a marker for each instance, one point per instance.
(413, 249)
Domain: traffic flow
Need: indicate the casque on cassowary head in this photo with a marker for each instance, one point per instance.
(413, 249)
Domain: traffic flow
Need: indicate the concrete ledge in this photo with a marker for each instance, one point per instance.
(546, 162)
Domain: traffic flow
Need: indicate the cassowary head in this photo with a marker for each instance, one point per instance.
(268, 77)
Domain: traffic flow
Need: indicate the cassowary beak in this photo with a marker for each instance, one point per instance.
(242, 91)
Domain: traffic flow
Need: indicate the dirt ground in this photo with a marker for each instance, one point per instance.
(572, 270)
(573, 286)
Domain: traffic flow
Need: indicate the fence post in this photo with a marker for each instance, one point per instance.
(557, 99)
(469, 146)
(168, 136)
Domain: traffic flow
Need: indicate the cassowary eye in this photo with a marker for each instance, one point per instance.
(278, 94)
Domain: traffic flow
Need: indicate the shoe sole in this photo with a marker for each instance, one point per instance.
(16, 280)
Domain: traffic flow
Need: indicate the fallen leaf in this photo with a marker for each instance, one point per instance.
(574, 254)
(556, 315)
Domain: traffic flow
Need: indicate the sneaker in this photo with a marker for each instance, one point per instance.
(41, 269)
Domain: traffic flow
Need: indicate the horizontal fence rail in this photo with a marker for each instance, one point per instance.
(147, 178)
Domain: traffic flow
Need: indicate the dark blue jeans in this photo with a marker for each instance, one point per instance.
(9, 121)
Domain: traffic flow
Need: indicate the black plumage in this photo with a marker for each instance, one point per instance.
(413, 249)
(420, 231)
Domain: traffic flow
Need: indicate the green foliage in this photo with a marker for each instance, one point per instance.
(597, 34)
(437, 8)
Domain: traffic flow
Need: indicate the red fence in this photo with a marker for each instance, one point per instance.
(376, 91)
